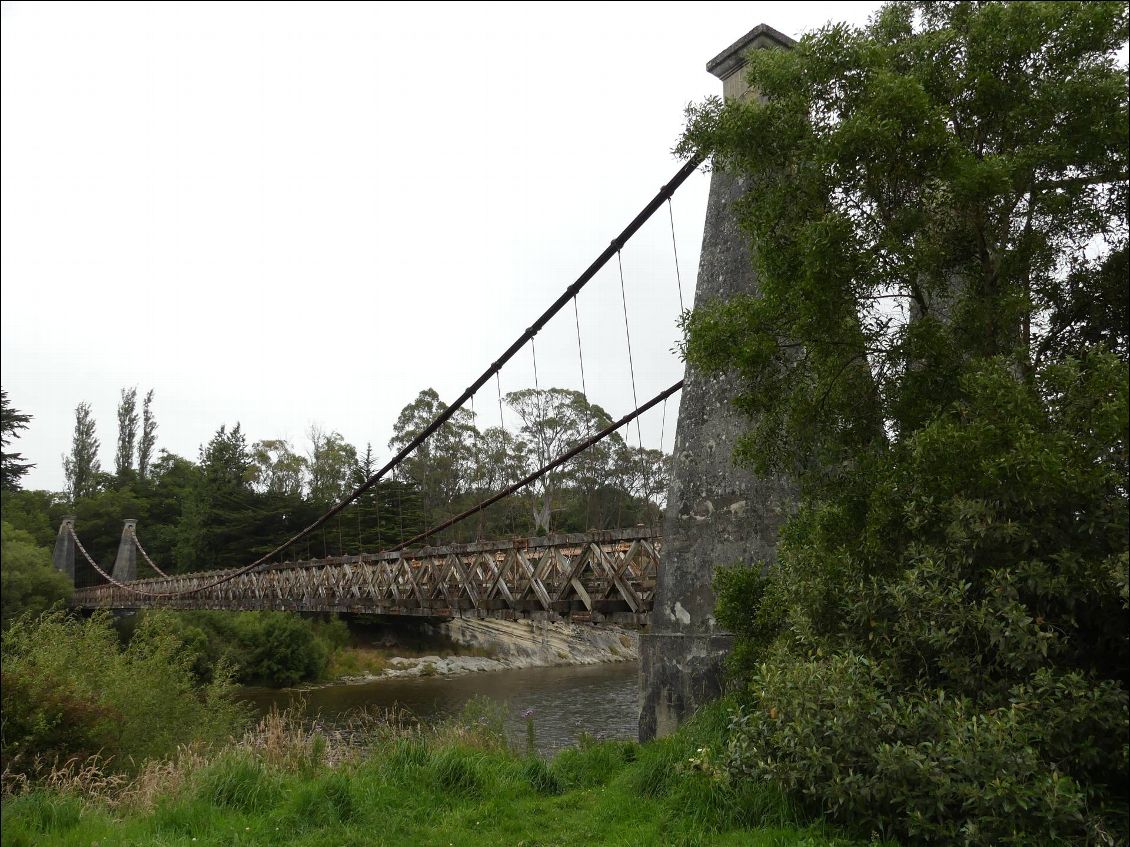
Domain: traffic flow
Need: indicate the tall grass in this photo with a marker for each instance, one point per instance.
(396, 782)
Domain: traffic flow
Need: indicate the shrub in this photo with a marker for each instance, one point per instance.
(275, 649)
(70, 689)
(28, 582)
(957, 672)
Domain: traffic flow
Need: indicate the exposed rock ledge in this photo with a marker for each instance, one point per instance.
(517, 644)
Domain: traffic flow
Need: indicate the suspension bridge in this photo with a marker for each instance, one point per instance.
(715, 513)
(589, 576)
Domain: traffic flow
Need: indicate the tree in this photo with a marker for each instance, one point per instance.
(82, 467)
(12, 465)
(127, 433)
(30, 583)
(277, 469)
(148, 440)
(221, 516)
(331, 463)
(938, 355)
(440, 467)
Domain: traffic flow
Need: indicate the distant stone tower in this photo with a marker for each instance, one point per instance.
(717, 514)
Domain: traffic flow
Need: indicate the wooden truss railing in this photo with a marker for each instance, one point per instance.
(585, 576)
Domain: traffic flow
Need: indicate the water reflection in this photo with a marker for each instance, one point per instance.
(601, 700)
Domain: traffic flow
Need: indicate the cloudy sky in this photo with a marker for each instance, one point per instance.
(292, 213)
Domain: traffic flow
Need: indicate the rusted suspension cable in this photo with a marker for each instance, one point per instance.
(542, 471)
(144, 555)
(124, 586)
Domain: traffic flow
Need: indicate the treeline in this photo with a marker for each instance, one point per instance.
(240, 498)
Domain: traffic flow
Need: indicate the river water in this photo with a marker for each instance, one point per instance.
(600, 700)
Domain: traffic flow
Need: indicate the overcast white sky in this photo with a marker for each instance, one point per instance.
(284, 214)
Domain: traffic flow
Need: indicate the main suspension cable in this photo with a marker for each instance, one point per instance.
(144, 555)
(570, 292)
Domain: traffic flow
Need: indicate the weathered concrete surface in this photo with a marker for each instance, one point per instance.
(64, 555)
(717, 514)
(125, 565)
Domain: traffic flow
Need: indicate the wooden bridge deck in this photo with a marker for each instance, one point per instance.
(595, 576)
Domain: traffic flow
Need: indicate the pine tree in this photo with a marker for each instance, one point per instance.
(12, 465)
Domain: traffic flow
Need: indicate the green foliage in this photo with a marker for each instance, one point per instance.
(541, 777)
(33, 512)
(422, 788)
(459, 771)
(275, 649)
(324, 802)
(147, 442)
(82, 467)
(28, 581)
(237, 781)
(128, 422)
(938, 358)
(971, 631)
(70, 689)
(12, 465)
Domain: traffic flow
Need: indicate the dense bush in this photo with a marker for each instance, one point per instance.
(28, 582)
(961, 668)
(274, 649)
(936, 358)
(71, 690)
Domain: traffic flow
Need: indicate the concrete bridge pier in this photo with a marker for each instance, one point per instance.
(717, 514)
(125, 565)
(64, 555)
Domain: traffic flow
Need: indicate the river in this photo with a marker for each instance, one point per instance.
(601, 700)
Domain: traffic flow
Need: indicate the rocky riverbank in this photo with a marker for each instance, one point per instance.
(513, 644)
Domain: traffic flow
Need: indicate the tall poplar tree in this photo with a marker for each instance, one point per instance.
(81, 467)
(127, 432)
(148, 441)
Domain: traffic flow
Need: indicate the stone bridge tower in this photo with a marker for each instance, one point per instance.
(717, 514)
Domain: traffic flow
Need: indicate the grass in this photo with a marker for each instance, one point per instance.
(455, 785)
(357, 661)
(368, 660)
